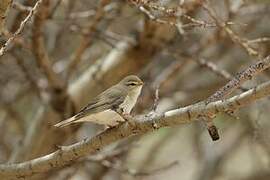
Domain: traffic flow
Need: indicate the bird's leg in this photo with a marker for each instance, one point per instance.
(108, 127)
(58, 147)
(126, 116)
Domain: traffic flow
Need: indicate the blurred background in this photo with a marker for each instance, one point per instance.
(70, 51)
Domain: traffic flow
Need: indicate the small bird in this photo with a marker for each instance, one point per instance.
(111, 106)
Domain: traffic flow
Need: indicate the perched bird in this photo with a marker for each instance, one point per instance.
(111, 106)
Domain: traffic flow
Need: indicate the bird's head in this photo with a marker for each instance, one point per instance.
(132, 82)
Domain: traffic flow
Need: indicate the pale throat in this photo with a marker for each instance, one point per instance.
(131, 100)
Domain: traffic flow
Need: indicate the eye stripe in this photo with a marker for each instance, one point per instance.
(132, 84)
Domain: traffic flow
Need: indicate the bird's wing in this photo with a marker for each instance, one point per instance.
(103, 102)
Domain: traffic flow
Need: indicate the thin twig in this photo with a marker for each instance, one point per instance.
(234, 37)
(21, 7)
(20, 29)
(259, 40)
(233, 84)
(239, 79)
(218, 71)
(156, 99)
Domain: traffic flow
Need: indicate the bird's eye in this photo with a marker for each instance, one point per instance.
(132, 84)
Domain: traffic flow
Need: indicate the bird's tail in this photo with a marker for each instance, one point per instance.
(66, 122)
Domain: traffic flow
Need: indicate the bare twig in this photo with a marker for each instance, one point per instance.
(239, 79)
(20, 29)
(159, 81)
(233, 84)
(21, 7)
(156, 99)
(259, 40)
(214, 68)
(172, 12)
(234, 37)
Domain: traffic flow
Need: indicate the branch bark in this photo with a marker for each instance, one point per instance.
(233, 84)
(142, 124)
(239, 79)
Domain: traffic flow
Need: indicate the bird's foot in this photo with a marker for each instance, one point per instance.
(107, 127)
(127, 117)
(58, 147)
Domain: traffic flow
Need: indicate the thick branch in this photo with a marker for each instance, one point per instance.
(142, 125)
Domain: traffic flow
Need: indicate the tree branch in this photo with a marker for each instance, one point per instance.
(20, 29)
(143, 124)
(228, 88)
(239, 79)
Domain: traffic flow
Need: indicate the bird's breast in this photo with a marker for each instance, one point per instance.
(131, 100)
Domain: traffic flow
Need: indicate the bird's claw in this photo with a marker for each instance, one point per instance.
(107, 127)
(58, 147)
(127, 117)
